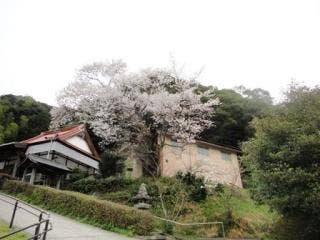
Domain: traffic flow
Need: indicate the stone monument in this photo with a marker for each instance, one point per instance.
(142, 198)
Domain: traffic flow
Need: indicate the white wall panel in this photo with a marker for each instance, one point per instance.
(65, 150)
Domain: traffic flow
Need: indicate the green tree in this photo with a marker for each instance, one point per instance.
(259, 95)
(284, 161)
(111, 164)
(233, 115)
(22, 117)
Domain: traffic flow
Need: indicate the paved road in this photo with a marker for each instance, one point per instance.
(62, 227)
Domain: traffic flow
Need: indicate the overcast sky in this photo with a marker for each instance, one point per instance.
(257, 43)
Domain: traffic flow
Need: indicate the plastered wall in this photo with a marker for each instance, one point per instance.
(212, 163)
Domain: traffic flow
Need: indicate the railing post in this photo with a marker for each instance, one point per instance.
(13, 214)
(16, 205)
(45, 230)
(36, 232)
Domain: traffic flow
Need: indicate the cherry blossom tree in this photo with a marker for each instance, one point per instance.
(135, 110)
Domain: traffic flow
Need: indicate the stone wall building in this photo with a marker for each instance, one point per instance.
(217, 164)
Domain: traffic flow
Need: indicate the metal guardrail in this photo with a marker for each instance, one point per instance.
(43, 218)
(37, 233)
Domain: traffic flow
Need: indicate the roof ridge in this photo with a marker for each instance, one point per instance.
(63, 132)
(68, 128)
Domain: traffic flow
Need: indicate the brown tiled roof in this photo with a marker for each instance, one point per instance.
(63, 134)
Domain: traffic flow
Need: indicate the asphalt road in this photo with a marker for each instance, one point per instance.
(62, 227)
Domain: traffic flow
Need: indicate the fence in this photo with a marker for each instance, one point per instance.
(41, 226)
(192, 225)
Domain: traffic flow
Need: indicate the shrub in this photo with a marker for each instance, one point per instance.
(107, 215)
(111, 164)
(122, 190)
(5, 176)
(90, 185)
(167, 227)
(123, 197)
(22, 187)
(77, 174)
(196, 185)
(219, 188)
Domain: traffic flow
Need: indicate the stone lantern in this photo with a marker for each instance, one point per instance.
(142, 198)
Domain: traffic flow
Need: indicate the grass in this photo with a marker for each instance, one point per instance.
(242, 217)
(4, 229)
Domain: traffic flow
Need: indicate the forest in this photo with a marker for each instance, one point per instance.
(22, 117)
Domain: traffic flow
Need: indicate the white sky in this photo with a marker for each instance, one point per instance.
(257, 43)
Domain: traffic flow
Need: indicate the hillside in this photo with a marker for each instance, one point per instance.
(187, 202)
(22, 117)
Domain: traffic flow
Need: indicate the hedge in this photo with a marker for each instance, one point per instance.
(110, 184)
(107, 215)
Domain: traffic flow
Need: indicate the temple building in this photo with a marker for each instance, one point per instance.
(47, 159)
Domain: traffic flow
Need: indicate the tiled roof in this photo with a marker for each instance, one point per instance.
(62, 134)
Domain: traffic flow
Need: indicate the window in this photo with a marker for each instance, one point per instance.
(203, 151)
(225, 156)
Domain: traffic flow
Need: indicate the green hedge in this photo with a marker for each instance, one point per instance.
(106, 214)
(110, 184)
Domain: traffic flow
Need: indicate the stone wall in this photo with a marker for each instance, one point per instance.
(216, 164)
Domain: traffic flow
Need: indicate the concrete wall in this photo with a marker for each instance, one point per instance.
(212, 163)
